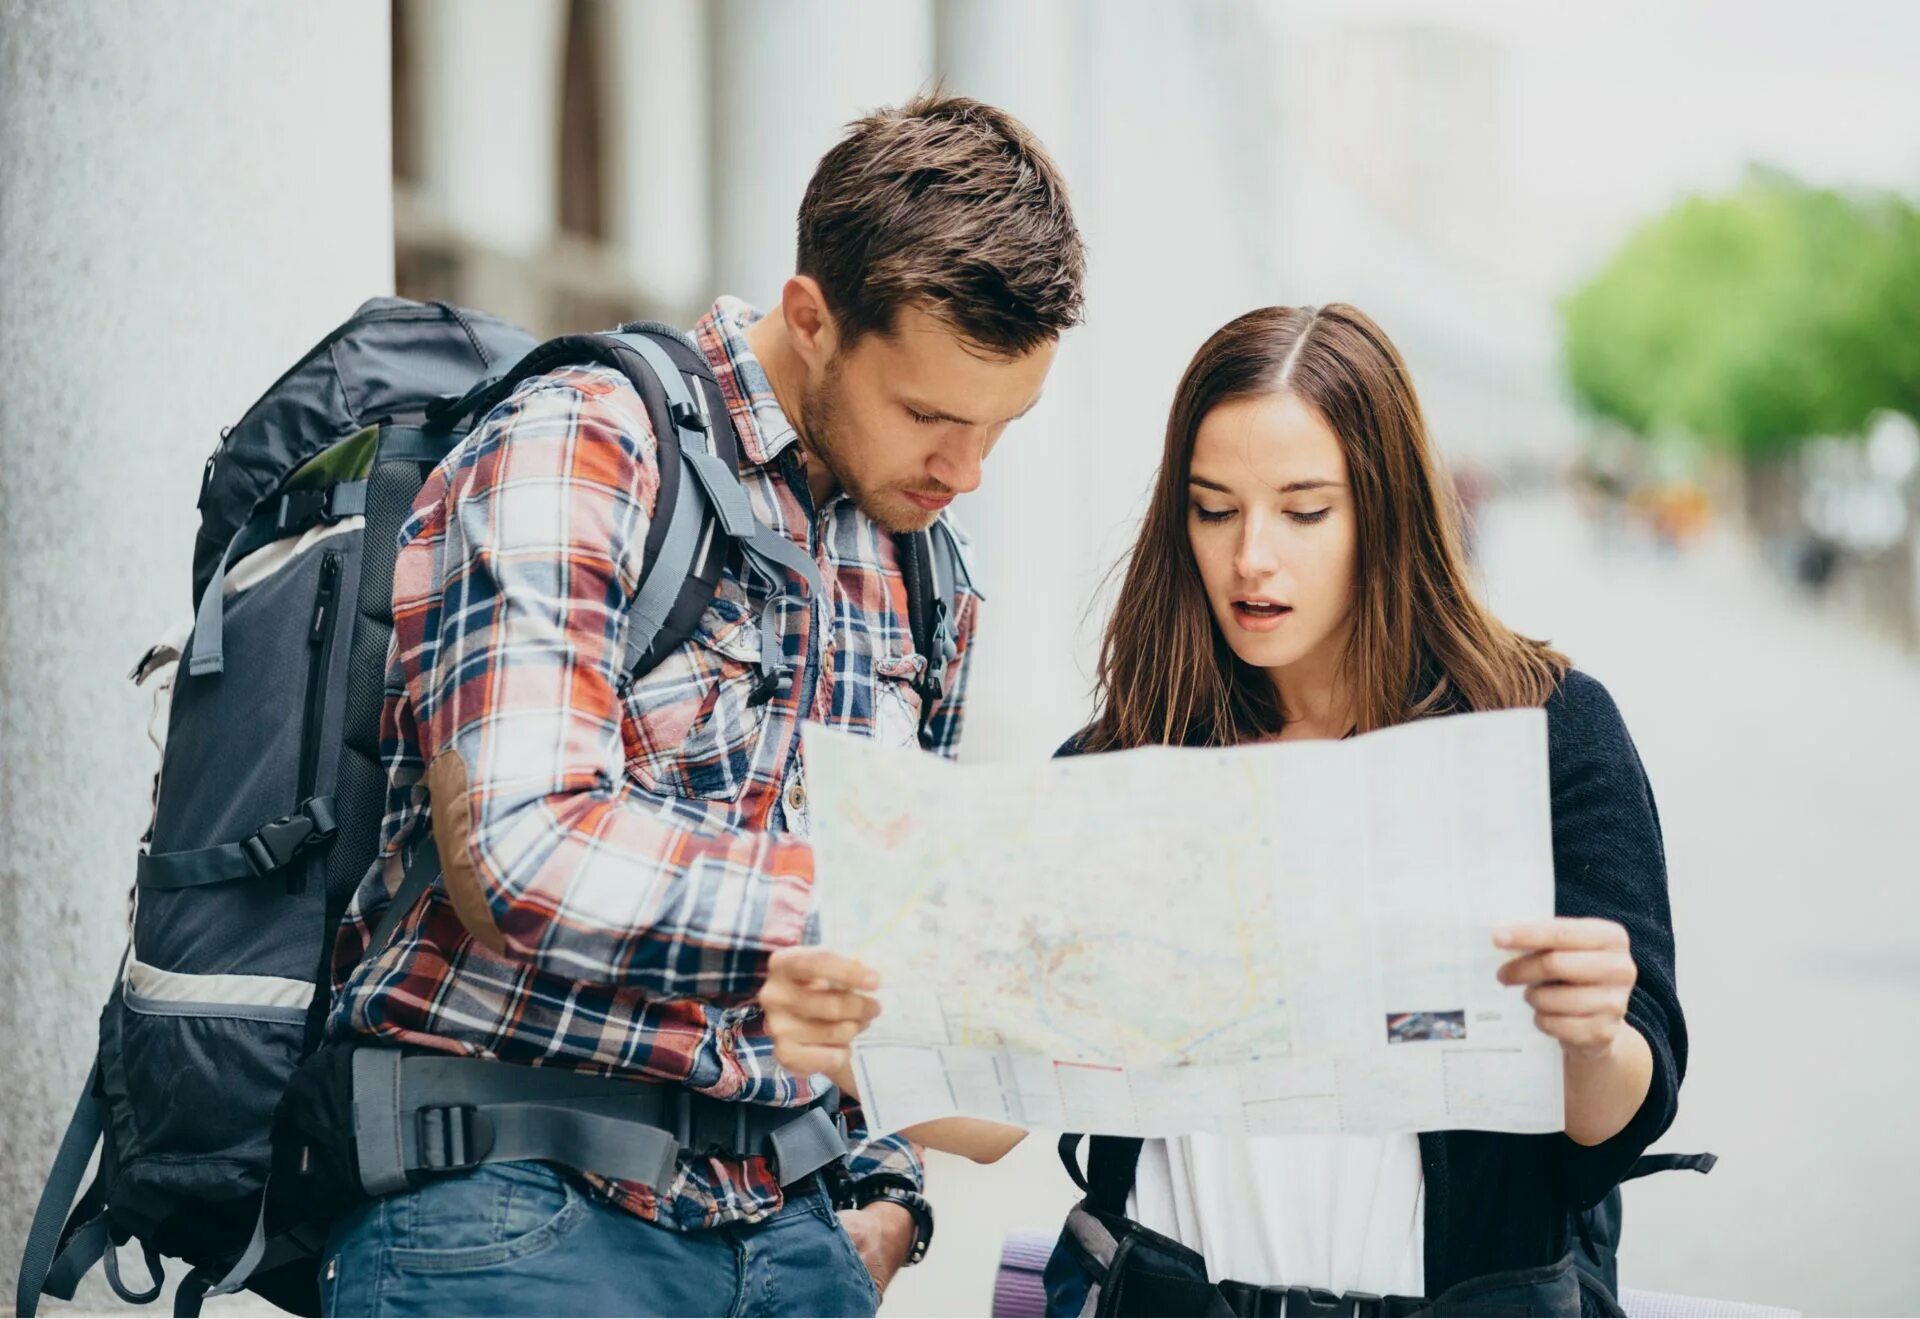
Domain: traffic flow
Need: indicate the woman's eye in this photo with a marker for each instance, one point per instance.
(1212, 514)
(1312, 517)
(921, 417)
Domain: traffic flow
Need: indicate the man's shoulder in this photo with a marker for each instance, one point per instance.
(591, 400)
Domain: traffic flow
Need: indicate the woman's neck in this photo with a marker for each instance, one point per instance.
(1314, 700)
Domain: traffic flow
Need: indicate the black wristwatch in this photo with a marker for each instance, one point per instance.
(893, 1187)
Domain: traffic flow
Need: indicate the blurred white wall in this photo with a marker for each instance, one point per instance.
(787, 78)
(192, 195)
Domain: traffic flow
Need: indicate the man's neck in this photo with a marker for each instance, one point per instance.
(786, 374)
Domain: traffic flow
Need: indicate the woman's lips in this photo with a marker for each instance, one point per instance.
(1260, 620)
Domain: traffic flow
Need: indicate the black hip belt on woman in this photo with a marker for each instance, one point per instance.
(1137, 1271)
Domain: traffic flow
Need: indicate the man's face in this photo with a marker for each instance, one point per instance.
(905, 420)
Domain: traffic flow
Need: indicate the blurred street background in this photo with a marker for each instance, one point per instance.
(1656, 274)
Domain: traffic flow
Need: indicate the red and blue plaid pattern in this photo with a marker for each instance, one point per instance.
(643, 849)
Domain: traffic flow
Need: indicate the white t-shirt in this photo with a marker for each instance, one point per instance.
(1344, 1213)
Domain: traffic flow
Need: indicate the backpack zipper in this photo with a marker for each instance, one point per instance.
(320, 634)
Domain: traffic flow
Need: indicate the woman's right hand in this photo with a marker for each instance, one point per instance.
(814, 1003)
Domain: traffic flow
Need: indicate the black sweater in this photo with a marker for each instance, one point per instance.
(1496, 1201)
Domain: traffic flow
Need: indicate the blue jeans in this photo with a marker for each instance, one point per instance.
(520, 1238)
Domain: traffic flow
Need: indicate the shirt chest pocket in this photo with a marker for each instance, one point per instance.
(896, 700)
(692, 728)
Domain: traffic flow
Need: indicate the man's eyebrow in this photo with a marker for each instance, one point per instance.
(936, 414)
(1291, 487)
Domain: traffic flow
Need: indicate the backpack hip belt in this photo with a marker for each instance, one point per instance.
(415, 1116)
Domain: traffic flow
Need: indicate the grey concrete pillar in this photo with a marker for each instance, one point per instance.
(488, 113)
(486, 107)
(787, 76)
(190, 195)
(659, 150)
(1032, 525)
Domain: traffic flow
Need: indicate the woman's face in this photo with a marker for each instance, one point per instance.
(1270, 517)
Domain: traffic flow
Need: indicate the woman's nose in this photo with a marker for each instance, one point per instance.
(1256, 556)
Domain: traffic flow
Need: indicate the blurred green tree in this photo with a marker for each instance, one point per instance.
(1755, 319)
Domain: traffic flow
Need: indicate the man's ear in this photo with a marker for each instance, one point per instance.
(810, 325)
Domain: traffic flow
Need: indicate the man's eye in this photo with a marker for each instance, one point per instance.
(922, 418)
(1212, 514)
(1314, 516)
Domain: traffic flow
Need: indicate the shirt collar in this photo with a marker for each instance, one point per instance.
(762, 425)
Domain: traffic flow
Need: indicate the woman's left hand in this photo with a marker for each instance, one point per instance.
(1579, 974)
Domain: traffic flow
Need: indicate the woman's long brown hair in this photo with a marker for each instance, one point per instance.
(1420, 643)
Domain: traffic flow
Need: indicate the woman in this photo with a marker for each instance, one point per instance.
(1298, 575)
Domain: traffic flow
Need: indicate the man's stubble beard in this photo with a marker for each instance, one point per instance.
(819, 422)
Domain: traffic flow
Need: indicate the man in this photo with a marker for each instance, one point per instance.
(620, 862)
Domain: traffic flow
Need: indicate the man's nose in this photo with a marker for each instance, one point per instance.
(957, 466)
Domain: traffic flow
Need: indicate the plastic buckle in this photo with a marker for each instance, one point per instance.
(1313, 1301)
(300, 509)
(275, 845)
(280, 841)
(714, 1128)
(776, 682)
(452, 1137)
(687, 417)
(681, 1113)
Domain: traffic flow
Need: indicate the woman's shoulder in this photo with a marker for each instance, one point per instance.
(1075, 744)
(1586, 733)
(1579, 696)
(1581, 706)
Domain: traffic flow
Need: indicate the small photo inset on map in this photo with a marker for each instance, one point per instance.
(1406, 1027)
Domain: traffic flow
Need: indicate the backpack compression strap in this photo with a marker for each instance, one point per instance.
(289, 515)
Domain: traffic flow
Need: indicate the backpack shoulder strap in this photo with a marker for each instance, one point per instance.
(1648, 1164)
(936, 574)
(1111, 1163)
(702, 513)
(711, 517)
(682, 557)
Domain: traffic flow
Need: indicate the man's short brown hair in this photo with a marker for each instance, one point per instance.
(950, 206)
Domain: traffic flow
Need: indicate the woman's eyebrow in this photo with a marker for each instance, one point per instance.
(1291, 487)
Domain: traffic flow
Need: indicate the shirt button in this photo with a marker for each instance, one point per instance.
(796, 797)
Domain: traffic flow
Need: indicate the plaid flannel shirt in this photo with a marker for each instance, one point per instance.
(643, 849)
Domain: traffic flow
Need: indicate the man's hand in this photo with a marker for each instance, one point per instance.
(883, 1234)
(815, 1002)
(1579, 973)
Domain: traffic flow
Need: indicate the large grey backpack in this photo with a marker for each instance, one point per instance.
(270, 794)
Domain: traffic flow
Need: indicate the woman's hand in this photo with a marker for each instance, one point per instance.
(815, 1002)
(1579, 975)
(969, 1137)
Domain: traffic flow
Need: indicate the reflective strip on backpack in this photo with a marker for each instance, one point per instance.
(151, 989)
